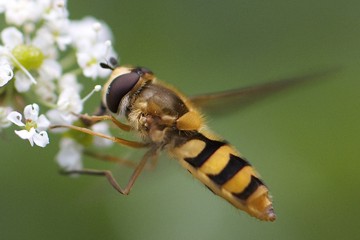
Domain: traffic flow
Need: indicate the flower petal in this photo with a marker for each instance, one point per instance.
(6, 72)
(22, 82)
(4, 121)
(12, 37)
(56, 117)
(69, 156)
(24, 134)
(31, 112)
(103, 128)
(15, 117)
(69, 101)
(50, 70)
(42, 123)
(41, 139)
(68, 80)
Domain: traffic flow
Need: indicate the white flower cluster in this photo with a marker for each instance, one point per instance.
(42, 56)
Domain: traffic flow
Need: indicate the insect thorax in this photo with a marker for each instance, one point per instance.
(153, 112)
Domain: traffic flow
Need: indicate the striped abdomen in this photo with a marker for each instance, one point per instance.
(219, 166)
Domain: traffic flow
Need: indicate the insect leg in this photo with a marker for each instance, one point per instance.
(152, 153)
(110, 158)
(90, 120)
(121, 161)
(152, 164)
(121, 141)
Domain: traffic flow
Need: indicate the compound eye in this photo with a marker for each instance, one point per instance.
(118, 88)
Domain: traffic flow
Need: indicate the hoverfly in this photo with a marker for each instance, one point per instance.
(167, 120)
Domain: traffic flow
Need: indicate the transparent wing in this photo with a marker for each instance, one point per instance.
(235, 99)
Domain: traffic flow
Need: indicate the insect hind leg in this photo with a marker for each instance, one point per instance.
(150, 154)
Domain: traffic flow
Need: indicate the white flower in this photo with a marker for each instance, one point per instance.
(19, 12)
(92, 40)
(39, 47)
(4, 112)
(11, 37)
(22, 82)
(69, 101)
(41, 139)
(44, 40)
(89, 60)
(69, 80)
(52, 34)
(59, 30)
(54, 9)
(50, 70)
(103, 128)
(34, 126)
(57, 117)
(46, 90)
(88, 32)
(3, 5)
(70, 154)
(6, 72)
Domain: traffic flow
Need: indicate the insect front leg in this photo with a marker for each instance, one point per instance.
(150, 154)
(90, 120)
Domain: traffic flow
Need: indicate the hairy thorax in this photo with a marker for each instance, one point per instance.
(154, 113)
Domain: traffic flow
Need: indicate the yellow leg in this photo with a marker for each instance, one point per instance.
(121, 141)
(118, 160)
(90, 120)
(110, 158)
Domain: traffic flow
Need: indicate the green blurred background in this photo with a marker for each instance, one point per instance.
(304, 142)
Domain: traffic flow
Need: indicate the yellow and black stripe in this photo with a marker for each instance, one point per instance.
(218, 165)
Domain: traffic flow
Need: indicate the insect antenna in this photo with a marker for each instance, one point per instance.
(111, 64)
